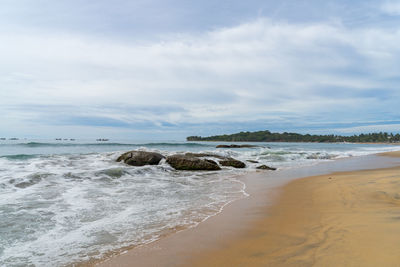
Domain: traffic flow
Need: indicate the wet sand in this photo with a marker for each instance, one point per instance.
(347, 218)
(343, 219)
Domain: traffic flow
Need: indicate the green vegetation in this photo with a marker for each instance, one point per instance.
(267, 136)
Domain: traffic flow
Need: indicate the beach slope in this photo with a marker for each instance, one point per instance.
(341, 219)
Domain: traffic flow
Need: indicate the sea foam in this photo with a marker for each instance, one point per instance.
(64, 203)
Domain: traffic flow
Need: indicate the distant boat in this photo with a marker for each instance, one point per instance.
(102, 139)
(58, 139)
(2, 138)
(72, 139)
(14, 138)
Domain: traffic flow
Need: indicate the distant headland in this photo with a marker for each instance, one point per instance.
(267, 136)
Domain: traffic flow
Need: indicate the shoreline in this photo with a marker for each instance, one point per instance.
(338, 219)
(218, 232)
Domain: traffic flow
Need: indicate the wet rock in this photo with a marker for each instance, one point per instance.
(140, 158)
(235, 146)
(201, 155)
(190, 163)
(211, 161)
(232, 163)
(252, 161)
(265, 167)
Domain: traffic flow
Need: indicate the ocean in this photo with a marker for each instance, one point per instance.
(67, 201)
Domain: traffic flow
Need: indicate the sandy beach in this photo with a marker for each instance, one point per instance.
(348, 218)
(342, 219)
(199, 133)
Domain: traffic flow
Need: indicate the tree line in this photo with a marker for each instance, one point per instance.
(267, 136)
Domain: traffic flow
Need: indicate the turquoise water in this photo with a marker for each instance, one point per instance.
(69, 201)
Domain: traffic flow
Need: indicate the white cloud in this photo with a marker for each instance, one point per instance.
(391, 8)
(254, 71)
(370, 128)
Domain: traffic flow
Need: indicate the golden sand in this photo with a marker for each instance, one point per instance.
(342, 219)
(391, 154)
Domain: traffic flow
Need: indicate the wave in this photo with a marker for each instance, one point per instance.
(61, 208)
(40, 144)
(19, 157)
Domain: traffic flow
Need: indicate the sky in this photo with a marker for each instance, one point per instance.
(167, 69)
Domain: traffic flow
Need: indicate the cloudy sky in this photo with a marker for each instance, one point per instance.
(165, 69)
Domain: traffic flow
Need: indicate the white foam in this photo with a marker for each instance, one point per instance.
(83, 205)
(90, 212)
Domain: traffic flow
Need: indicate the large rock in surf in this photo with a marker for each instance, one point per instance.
(190, 163)
(265, 167)
(202, 155)
(140, 158)
(232, 163)
(235, 146)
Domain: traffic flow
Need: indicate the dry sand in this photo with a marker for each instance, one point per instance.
(391, 154)
(342, 219)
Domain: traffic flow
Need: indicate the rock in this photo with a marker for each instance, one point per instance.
(235, 146)
(252, 161)
(211, 161)
(201, 155)
(124, 156)
(232, 163)
(265, 167)
(140, 158)
(184, 162)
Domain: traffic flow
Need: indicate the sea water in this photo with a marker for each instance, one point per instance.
(69, 201)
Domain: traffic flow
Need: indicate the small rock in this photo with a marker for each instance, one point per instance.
(265, 167)
(252, 161)
(232, 163)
